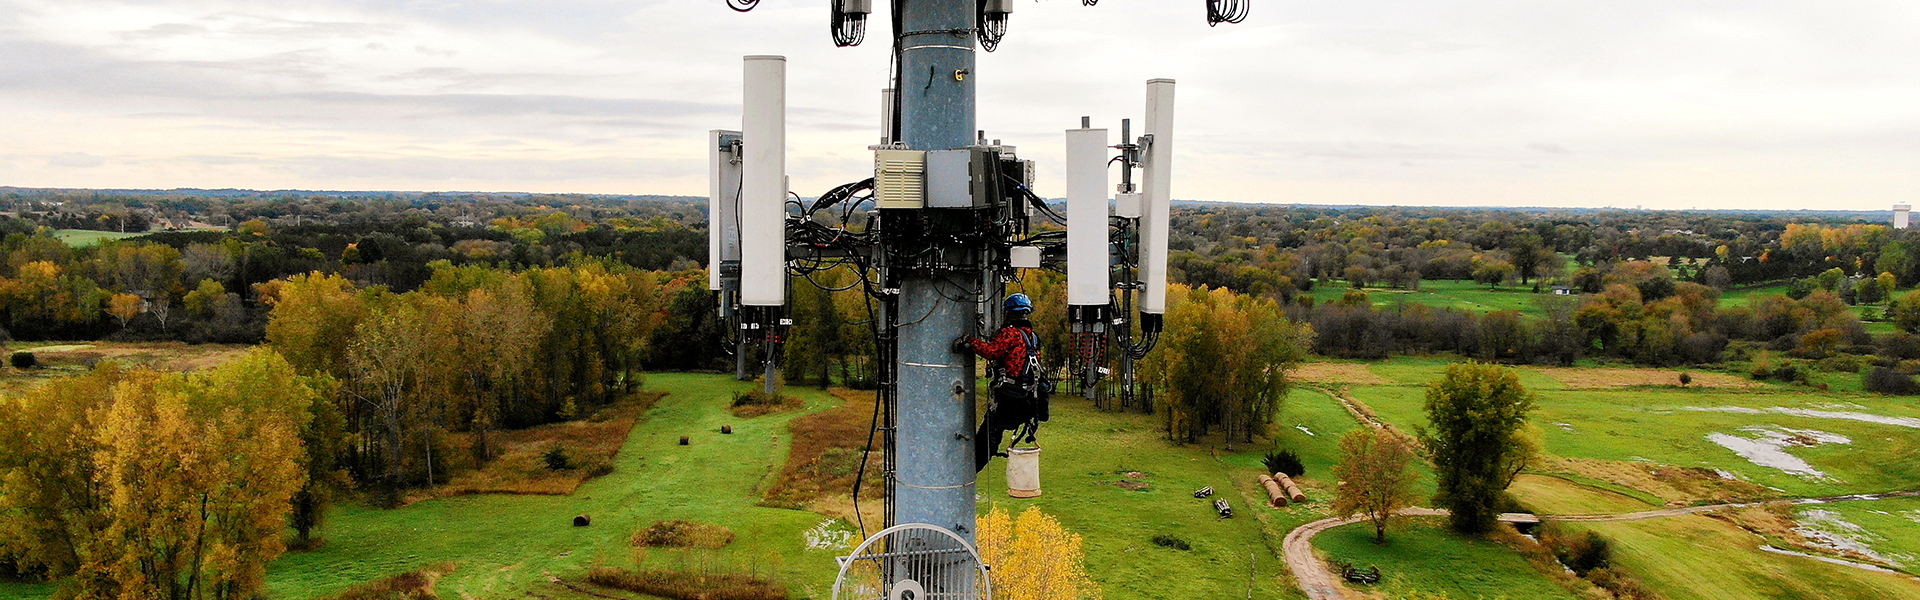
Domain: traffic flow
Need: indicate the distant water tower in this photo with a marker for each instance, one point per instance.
(1900, 215)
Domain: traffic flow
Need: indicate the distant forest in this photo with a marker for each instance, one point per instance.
(1641, 286)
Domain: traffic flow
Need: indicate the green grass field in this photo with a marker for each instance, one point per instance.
(1890, 527)
(1682, 557)
(1420, 554)
(1701, 558)
(1086, 452)
(1671, 426)
(87, 237)
(1445, 293)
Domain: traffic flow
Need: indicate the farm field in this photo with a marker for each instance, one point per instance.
(87, 237)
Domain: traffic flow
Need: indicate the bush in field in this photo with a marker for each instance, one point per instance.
(557, 459)
(1583, 553)
(24, 360)
(1171, 542)
(1284, 461)
(1882, 380)
(683, 534)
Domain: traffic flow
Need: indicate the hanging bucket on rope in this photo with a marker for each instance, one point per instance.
(1023, 472)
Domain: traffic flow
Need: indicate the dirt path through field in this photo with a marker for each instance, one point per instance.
(1320, 583)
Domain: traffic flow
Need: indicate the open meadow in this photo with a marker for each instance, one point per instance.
(1445, 293)
(88, 237)
(1630, 440)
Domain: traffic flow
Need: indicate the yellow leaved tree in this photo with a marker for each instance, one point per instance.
(1033, 557)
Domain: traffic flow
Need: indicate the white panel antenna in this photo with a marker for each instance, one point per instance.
(723, 203)
(1157, 188)
(1087, 264)
(763, 199)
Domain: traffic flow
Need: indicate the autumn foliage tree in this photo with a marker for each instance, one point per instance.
(179, 487)
(1478, 440)
(1033, 557)
(1224, 362)
(1375, 475)
(476, 349)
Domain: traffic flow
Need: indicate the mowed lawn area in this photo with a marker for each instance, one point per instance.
(1446, 293)
(1421, 555)
(87, 237)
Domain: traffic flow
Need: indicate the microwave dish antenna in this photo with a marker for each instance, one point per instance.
(913, 561)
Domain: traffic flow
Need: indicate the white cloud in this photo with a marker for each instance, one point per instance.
(1589, 102)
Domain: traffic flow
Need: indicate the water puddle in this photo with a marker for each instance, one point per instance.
(1767, 447)
(1814, 414)
(1828, 559)
(1830, 530)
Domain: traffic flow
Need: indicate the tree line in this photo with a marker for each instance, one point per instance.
(133, 483)
(476, 350)
(203, 286)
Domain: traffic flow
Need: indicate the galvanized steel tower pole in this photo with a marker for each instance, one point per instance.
(934, 482)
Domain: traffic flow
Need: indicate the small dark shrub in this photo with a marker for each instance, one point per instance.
(683, 534)
(755, 398)
(1882, 380)
(1686, 379)
(1284, 461)
(1168, 541)
(1582, 553)
(411, 585)
(557, 459)
(1623, 586)
(24, 360)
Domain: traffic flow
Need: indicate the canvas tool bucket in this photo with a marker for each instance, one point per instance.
(1023, 472)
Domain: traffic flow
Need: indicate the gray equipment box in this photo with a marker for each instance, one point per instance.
(960, 178)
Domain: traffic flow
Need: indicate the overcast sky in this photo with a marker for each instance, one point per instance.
(1655, 103)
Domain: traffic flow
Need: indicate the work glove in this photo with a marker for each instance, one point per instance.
(962, 345)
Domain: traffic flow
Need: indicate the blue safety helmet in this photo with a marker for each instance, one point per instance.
(1018, 302)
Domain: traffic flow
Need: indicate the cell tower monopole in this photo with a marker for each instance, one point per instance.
(947, 219)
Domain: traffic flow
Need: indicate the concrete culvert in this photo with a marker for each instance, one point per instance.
(582, 520)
